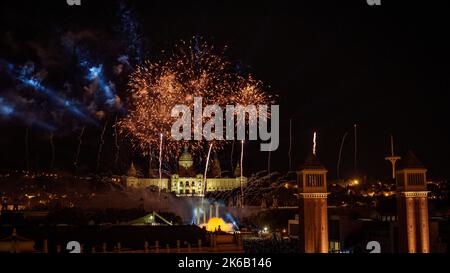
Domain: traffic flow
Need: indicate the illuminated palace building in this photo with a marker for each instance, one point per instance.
(187, 182)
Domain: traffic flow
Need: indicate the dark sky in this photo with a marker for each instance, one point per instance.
(332, 64)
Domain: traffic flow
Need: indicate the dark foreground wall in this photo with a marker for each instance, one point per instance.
(130, 237)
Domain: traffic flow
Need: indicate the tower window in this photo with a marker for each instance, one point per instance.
(314, 180)
(416, 179)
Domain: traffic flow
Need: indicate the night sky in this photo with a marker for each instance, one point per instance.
(331, 64)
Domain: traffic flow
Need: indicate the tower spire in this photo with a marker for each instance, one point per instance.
(392, 158)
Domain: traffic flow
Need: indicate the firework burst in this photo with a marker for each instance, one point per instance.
(193, 69)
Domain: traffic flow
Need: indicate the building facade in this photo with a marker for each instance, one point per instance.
(186, 182)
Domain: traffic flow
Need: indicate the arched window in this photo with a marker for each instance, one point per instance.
(187, 183)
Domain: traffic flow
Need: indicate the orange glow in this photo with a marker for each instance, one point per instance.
(214, 223)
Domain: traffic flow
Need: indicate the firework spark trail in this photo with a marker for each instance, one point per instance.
(160, 163)
(290, 143)
(340, 153)
(242, 171)
(192, 70)
(150, 160)
(314, 143)
(116, 143)
(268, 161)
(77, 154)
(231, 156)
(52, 146)
(355, 147)
(206, 171)
(100, 148)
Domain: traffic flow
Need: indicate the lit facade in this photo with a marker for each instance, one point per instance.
(412, 206)
(186, 182)
(313, 220)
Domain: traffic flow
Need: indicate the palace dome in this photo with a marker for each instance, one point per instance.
(185, 156)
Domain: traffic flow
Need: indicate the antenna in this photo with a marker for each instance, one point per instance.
(393, 158)
(392, 146)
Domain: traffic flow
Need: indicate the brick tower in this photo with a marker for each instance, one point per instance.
(412, 206)
(312, 186)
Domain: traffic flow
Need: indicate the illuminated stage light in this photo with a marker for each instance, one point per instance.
(5, 109)
(68, 104)
(23, 76)
(95, 72)
(8, 110)
(218, 224)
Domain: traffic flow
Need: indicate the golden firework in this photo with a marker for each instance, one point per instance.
(193, 69)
